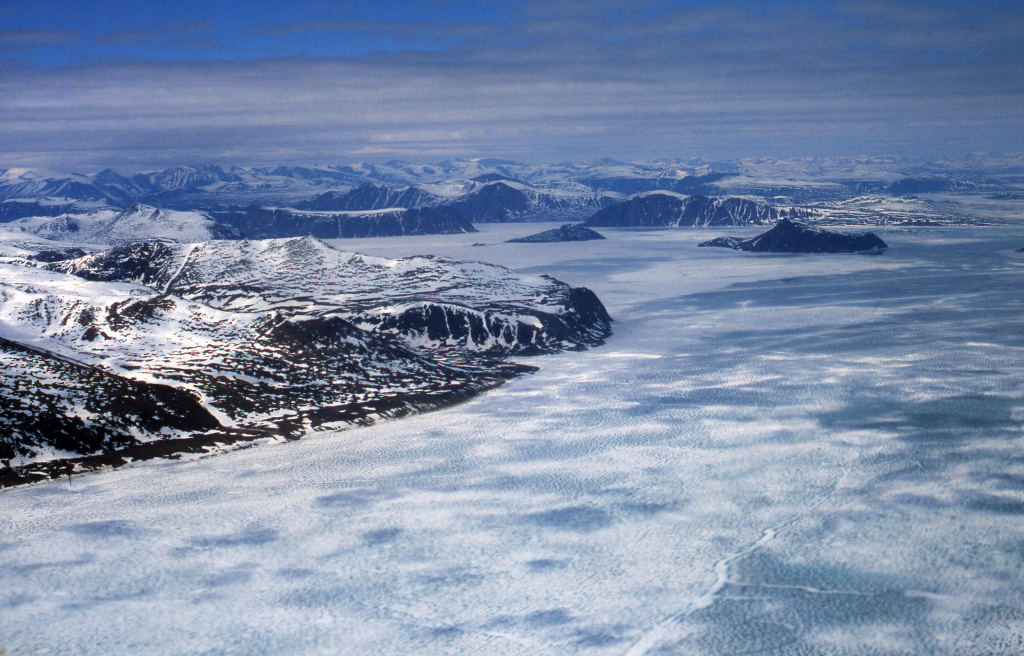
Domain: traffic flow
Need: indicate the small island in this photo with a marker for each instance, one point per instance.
(793, 236)
(567, 232)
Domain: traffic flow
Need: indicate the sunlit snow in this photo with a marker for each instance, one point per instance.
(777, 454)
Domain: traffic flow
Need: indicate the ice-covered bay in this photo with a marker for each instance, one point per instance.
(773, 454)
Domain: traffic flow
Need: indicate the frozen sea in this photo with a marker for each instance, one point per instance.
(773, 454)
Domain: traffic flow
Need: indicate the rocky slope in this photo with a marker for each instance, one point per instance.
(430, 302)
(662, 209)
(137, 222)
(568, 232)
(370, 197)
(792, 236)
(507, 201)
(92, 367)
(270, 223)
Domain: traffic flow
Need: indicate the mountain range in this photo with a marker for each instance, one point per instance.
(490, 190)
(218, 341)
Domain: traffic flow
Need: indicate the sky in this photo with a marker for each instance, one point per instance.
(90, 84)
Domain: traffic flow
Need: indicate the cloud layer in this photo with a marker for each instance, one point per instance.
(546, 81)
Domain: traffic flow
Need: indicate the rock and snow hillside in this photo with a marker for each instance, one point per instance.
(137, 222)
(491, 190)
(567, 232)
(883, 210)
(507, 201)
(427, 301)
(157, 346)
(370, 196)
(791, 236)
(660, 209)
(269, 223)
(133, 356)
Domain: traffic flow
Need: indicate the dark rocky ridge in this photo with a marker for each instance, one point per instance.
(57, 255)
(503, 201)
(568, 232)
(936, 184)
(12, 210)
(792, 236)
(475, 307)
(266, 374)
(369, 197)
(36, 415)
(269, 223)
(660, 210)
(584, 324)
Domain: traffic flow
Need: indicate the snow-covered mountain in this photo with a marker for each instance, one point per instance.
(506, 201)
(257, 222)
(795, 236)
(214, 342)
(492, 190)
(243, 369)
(429, 302)
(137, 222)
(664, 209)
(884, 210)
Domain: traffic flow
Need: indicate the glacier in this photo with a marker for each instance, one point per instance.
(817, 454)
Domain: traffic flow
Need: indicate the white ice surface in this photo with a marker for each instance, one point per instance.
(772, 454)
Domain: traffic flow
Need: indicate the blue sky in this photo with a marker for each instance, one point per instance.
(133, 84)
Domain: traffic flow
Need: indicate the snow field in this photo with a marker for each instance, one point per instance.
(771, 454)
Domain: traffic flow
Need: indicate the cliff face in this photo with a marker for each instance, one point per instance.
(663, 210)
(273, 223)
(792, 236)
(568, 232)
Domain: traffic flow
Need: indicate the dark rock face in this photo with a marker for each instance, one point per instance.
(568, 232)
(57, 255)
(118, 188)
(723, 242)
(11, 210)
(791, 236)
(935, 184)
(269, 223)
(504, 201)
(660, 210)
(492, 203)
(446, 304)
(369, 197)
(46, 416)
(145, 263)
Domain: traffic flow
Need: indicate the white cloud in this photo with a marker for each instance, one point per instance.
(629, 81)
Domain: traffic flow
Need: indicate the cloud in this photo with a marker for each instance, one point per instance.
(325, 25)
(625, 80)
(31, 38)
(192, 34)
(129, 37)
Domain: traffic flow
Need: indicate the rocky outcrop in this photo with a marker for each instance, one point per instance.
(663, 210)
(427, 302)
(369, 197)
(568, 232)
(507, 201)
(91, 368)
(271, 223)
(792, 236)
